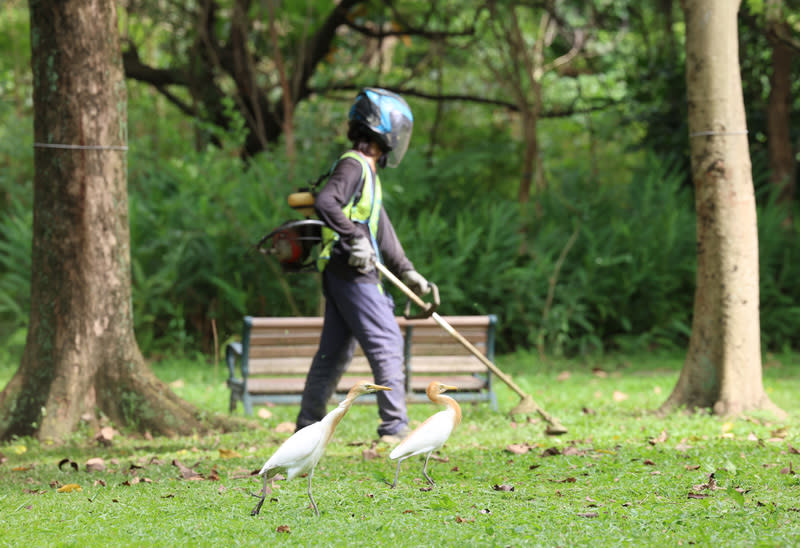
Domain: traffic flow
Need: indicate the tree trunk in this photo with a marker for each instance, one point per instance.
(81, 355)
(779, 138)
(722, 370)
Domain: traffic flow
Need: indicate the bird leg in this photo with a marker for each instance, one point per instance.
(425, 469)
(310, 496)
(397, 473)
(263, 496)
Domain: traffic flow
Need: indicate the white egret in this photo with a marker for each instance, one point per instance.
(431, 434)
(301, 452)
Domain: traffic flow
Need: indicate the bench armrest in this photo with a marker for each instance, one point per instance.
(233, 351)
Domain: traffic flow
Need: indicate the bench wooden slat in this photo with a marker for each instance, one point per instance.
(299, 366)
(309, 350)
(419, 364)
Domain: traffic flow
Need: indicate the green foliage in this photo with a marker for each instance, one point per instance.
(194, 221)
(779, 270)
(599, 266)
(620, 476)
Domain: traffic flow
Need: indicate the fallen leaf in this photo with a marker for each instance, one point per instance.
(95, 464)
(18, 449)
(24, 468)
(551, 452)
(788, 470)
(73, 464)
(564, 375)
(648, 462)
(692, 467)
(503, 487)
(780, 433)
(370, 453)
(792, 451)
(186, 473)
(697, 495)
(105, 435)
(566, 480)
(459, 519)
(597, 372)
(264, 413)
(283, 529)
(228, 454)
(408, 511)
(486, 511)
(177, 383)
(588, 411)
(619, 396)
(518, 448)
(134, 481)
(69, 488)
(285, 427)
(661, 438)
(3, 458)
(588, 515)
(101, 483)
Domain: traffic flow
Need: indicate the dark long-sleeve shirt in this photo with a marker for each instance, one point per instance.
(343, 184)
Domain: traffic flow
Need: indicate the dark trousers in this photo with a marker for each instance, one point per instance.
(357, 313)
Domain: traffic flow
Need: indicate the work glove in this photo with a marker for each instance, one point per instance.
(416, 282)
(362, 255)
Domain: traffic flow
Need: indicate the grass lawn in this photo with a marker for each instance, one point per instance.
(619, 477)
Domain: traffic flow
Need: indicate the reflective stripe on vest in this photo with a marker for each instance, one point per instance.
(366, 211)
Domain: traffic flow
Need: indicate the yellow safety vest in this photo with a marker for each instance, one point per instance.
(366, 211)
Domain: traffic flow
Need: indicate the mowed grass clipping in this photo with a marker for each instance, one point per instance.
(620, 477)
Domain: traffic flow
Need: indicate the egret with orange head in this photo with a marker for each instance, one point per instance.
(301, 452)
(431, 434)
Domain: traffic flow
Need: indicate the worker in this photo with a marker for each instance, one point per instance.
(359, 232)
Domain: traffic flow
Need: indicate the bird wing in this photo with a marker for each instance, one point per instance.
(299, 446)
(428, 436)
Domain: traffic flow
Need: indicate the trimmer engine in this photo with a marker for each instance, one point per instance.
(292, 244)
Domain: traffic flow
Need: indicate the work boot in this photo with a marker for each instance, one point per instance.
(397, 437)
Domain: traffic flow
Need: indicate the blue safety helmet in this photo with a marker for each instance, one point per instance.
(387, 116)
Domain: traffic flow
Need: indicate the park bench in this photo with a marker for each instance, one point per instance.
(275, 354)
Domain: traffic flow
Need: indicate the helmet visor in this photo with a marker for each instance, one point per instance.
(394, 122)
(399, 138)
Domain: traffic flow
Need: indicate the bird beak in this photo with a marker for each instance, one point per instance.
(376, 387)
(448, 387)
